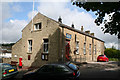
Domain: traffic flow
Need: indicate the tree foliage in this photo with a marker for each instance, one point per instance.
(112, 25)
(8, 44)
(112, 53)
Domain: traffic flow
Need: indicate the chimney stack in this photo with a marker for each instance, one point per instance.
(92, 34)
(59, 19)
(82, 28)
(88, 32)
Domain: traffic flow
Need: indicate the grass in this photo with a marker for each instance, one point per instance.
(114, 59)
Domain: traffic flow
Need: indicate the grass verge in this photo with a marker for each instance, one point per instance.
(114, 59)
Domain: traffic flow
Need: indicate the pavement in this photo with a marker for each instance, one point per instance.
(91, 70)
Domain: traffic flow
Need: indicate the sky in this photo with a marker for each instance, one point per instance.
(16, 14)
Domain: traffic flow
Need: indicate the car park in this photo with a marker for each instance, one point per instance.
(67, 71)
(8, 71)
(102, 58)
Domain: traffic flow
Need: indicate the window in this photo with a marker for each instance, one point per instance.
(90, 49)
(45, 57)
(73, 66)
(28, 57)
(77, 47)
(29, 46)
(37, 26)
(95, 49)
(6, 66)
(45, 45)
(75, 37)
(84, 49)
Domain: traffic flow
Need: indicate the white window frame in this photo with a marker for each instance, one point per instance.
(29, 46)
(77, 47)
(38, 26)
(84, 49)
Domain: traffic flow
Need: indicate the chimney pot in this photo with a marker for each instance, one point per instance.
(92, 34)
(82, 28)
(59, 19)
(72, 25)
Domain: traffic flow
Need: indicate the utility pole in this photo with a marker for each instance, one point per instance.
(32, 16)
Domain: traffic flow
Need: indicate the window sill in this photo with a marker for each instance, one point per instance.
(36, 30)
(29, 52)
(45, 53)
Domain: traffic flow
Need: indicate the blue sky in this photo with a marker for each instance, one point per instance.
(16, 15)
(26, 7)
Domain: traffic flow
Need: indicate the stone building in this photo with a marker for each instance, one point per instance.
(45, 40)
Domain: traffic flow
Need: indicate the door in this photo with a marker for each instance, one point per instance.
(67, 52)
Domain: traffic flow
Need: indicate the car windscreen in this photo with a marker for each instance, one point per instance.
(101, 55)
(6, 66)
(73, 66)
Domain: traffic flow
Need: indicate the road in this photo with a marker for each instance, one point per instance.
(100, 70)
(94, 71)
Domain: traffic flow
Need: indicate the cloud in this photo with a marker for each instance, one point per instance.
(12, 30)
(78, 17)
(17, 8)
(5, 11)
(32, 14)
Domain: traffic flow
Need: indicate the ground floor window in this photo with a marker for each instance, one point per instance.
(77, 47)
(28, 57)
(29, 46)
(44, 57)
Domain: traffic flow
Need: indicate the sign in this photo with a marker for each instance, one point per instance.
(68, 36)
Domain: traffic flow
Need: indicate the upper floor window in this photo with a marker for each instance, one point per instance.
(29, 46)
(90, 49)
(37, 26)
(45, 45)
(95, 49)
(84, 49)
(77, 47)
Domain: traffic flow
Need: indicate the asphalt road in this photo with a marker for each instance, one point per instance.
(93, 71)
(100, 70)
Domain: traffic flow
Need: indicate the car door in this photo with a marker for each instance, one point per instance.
(44, 73)
(61, 72)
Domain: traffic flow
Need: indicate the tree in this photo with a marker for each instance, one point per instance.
(112, 9)
(112, 53)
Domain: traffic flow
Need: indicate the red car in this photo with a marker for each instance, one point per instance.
(102, 58)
